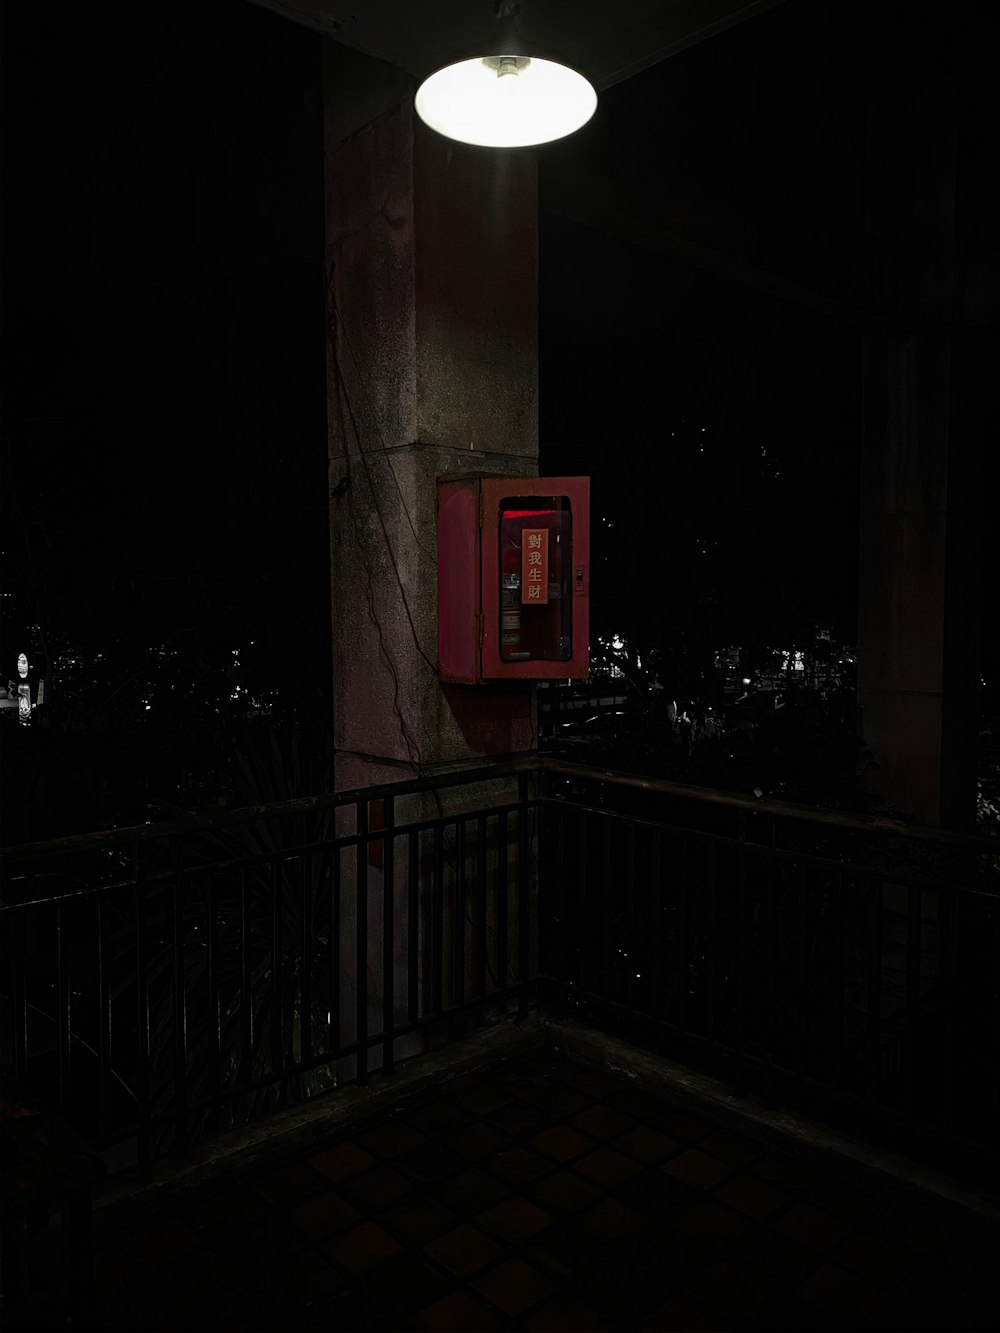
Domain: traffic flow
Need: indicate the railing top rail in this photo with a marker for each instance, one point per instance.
(783, 809)
(225, 818)
(512, 766)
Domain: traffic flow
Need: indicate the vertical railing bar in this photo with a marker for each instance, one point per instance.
(144, 1147)
(303, 947)
(180, 1006)
(361, 941)
(324, 921)
(277, 978)
(64, 1030)
(20, 932)
(683, 934)
(658, 933)
(305, 954)
(336, 969)
(802, 957)
(543, 902)
(839, 944)
(388, 935)
(632, 960)
(214, 1010)
(993, 1025)
(557, 937)
(953, 980)
(742, 946)
(609, 937)
(413, 928)
(299, 1004)
(503, 924)
(911, 1008)
(523, 878)
(437, 919)
(481, 942)
(461, 892)
(714, 942)
(104, 1016)
(873, 1043)
(246, 983)
(582, 919)
(770, 958)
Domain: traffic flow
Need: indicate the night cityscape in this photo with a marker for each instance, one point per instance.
(754, 302)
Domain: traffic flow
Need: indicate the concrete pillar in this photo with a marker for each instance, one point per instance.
(921, 498)
(432, 295)
(431, 260)
(920, 597)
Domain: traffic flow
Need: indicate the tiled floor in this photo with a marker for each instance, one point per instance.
(546, 1195)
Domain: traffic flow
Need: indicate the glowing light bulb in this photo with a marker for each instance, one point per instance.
(505, 101)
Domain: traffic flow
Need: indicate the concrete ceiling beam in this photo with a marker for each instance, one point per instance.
(608, 41)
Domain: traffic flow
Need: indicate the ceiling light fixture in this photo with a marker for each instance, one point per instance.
(507, 95)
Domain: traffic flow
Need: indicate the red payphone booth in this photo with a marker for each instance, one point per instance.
(513, 578)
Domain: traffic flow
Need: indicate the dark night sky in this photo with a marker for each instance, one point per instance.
(163, 330)
(738, 411)
(163, 327)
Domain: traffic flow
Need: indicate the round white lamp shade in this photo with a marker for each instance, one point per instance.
(505, 101)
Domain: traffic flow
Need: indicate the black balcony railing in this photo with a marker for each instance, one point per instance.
(175, 980)
(165, 983)
(844, 965)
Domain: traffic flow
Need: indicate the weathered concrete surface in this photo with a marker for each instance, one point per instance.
(392, 716)
(431, 257)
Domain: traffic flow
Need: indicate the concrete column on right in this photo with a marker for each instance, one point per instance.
(922, 511)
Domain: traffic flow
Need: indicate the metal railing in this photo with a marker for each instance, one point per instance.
(167, 982)
(171, 981)
(845, 965)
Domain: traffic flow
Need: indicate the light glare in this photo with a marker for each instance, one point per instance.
(469, 102)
